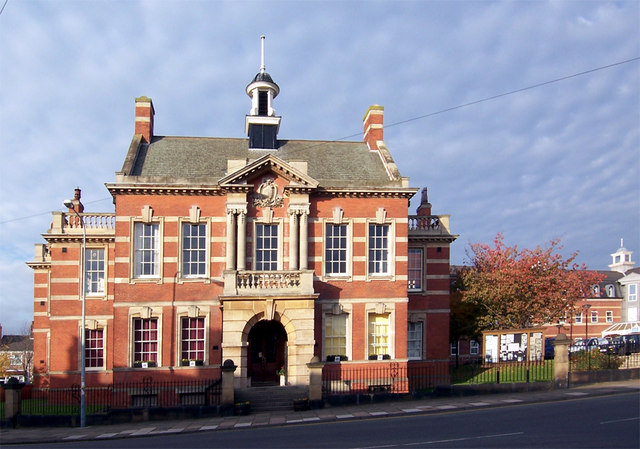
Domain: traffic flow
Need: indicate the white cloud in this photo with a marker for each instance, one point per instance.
(559, 160)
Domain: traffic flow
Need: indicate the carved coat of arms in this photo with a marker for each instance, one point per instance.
(267, 194)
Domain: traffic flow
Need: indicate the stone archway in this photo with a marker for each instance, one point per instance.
(296, 316)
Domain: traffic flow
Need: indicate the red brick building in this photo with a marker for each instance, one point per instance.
(263, 251)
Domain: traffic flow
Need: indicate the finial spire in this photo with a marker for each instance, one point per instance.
(621, 243)
(262, 67)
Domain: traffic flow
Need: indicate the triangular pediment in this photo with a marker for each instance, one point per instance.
(269, 164)
(630, 278)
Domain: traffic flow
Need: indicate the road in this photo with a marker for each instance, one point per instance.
(600, 422)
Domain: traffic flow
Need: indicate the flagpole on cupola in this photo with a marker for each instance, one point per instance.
(262, 67)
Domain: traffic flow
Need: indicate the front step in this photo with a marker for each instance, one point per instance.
(271, 398)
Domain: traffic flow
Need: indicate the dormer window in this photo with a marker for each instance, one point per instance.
(611, 291)
(596, 290)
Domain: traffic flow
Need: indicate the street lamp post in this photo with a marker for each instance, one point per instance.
(83, 406)
(586, 332)
(586, 321)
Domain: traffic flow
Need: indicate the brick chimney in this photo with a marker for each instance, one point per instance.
(77, 193)
(373, 126)
(424, 208)
(144, 118)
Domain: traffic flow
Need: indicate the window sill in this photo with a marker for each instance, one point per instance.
(380, 277)
(194, 279)
(337, 277)
(145, 365)
(154, 280)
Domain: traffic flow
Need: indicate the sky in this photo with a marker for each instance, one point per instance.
(561, 160)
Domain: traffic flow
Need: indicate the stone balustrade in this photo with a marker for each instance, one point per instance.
(268, 283)
(94, 223)
(420, 225)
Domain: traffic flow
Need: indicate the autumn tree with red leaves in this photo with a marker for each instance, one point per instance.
(516, 289)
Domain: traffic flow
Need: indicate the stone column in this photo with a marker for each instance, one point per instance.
(561, 361)
(315, 379)
(231, 240)
(242, 241)
(227, 397)
(303, 240)
(293, 240)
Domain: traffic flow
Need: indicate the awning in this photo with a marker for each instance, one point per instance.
(626, 328)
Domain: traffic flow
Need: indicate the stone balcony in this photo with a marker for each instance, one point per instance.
(430, 226)
(103, 224)
(268, 283)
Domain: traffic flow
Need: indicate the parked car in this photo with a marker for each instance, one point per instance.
(628, 344)
(616, 346)
(578, 345)
(601, 343)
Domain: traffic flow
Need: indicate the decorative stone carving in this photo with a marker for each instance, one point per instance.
(267, 194)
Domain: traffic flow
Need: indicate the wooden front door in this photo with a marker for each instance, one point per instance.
(267, 345)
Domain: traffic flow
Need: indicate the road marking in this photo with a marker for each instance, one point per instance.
(411, 410)
(576, 393)
(242, 424)
(313, 418)
(173, 430)
(620, 420)
(378, 413)
(143, 431)
(446, 407)
(208, 427)
(107, 435)
(452, 440)
(74, 437)
(479, 404)
(512, 401)
(344, 416)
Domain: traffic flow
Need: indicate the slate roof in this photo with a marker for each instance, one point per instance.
(16, 343)
(201, 160)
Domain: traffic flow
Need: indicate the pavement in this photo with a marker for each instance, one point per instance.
(26, 435)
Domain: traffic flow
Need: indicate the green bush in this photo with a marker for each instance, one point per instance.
(594, 360)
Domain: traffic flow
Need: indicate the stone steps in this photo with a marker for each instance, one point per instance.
(271, 398)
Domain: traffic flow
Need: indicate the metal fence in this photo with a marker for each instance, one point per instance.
(596, 359)
(503, 372)
(414, 377)
(125, 395)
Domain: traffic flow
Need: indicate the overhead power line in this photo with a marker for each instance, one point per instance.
(420, 117)
(46, 213)
(494, 97)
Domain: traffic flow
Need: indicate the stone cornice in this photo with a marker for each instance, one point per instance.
(349, 192)
(74, 238)
(39, 265)
(448, 238)
(163, 189)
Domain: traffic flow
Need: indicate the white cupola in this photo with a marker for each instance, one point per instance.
(262, 124)
(622, 259)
